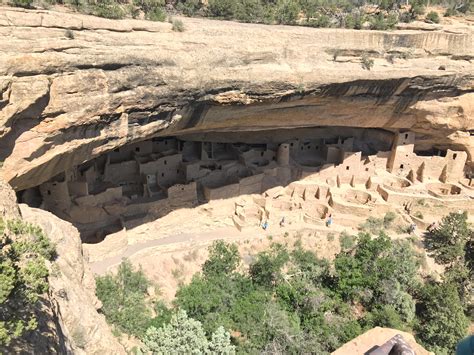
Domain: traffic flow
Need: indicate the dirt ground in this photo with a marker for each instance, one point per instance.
(172, 249)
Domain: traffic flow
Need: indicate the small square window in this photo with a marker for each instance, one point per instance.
(454, 156)
(137, 149)
(401, 166)
(347, 168)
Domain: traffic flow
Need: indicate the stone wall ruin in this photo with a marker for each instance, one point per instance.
(152, 177)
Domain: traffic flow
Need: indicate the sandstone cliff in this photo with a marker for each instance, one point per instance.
(74, 86)
(68, 319)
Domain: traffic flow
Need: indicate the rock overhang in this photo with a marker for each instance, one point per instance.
(66, 101)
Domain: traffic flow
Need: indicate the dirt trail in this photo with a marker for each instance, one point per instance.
(228, 233)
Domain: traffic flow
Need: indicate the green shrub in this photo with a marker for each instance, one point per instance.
(188, 7)
(367, 63)
(442, 322)
(24, 251)
(157, 14)
(353, 21)
(22, 3)
(287, 12)
(417, 8)
(123, 299)
(388, 219)
(347, 241)
(433, 17)
(108, 9)
(223, 259)
(222, 8)
(447, 242)
(178, 26)
(148, 6)
(372, 225)
(183, 335)
(418, 214)
(451, 11)
(321, 21)
(379, 22)
(69, 34)
(249, 11)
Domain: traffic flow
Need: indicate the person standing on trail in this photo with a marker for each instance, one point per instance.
(329, 220)
(265, 225)
(282, 222)
(432, 227)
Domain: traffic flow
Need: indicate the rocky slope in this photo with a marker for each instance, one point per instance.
(74, 86)
(67, 317)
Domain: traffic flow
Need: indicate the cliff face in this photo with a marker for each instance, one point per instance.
(68, 321)
(73, 87)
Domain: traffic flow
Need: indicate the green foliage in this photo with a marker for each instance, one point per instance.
(157, 14)
(379, 22)
(287, 12)
(249, 11)
(448, 241)
(432, 16)
(148, 6)
(222, 8)
(361, 273)
(266, 270)
(22, 3)
(442, 322)
(353, 21)
(183, 335)
(177, 26)
(372, 224)
(123, 299)
(108, 9)
(417, 8)
(24, 251)
(319, 21)
(223, 259)
(290, 301)
(188, 7)
(347, 241)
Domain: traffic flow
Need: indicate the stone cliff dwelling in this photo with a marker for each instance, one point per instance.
(302, 179)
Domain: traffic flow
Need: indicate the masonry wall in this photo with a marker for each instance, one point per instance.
(160, 145)
(251, 185)
(168, 169)
(78, 188)
(180, 194)
(124, 172)
(55, 196)
(283, 155)
(455, 163)
(109, 195)
(402, 152)
(223, 192)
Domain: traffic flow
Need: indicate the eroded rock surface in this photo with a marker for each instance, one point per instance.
(73, 86)
(67, 317)
(72, 289)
